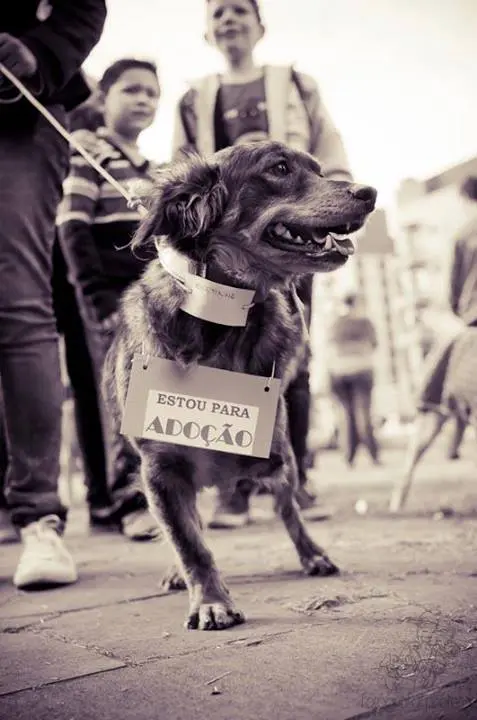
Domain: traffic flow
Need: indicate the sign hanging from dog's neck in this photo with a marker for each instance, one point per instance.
(201, 407)
(206, 300)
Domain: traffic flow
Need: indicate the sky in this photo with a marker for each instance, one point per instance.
(398, 76)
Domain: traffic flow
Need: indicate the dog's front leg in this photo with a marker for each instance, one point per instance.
(283, 482)
(312, 557)
(172, 499)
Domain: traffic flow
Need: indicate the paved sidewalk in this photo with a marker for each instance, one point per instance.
(395, 636)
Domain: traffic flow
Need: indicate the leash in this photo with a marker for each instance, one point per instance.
(132, 202)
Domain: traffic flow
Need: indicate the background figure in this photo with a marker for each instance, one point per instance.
(46, 55)
(248, 103)
(351, 344)
(433, 410)
(95, 228)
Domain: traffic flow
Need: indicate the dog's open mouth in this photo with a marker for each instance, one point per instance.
(316, 241)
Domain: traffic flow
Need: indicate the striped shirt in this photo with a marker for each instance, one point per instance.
(95, 224)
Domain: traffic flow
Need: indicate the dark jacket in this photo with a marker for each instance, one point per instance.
(60, 43)
(463, 281)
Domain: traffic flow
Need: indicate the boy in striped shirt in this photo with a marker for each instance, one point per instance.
(95, 227)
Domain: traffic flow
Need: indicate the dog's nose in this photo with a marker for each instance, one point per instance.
(364, 192)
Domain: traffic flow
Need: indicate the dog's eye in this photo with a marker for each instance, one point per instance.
(281, 168)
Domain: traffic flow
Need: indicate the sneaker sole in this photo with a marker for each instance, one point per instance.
(43, 584)
(43, 580)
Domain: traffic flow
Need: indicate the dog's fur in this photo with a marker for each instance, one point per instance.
(220, 211)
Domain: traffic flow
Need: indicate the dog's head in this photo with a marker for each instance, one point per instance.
(256, 209)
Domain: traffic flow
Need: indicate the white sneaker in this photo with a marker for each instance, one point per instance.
(45, 559)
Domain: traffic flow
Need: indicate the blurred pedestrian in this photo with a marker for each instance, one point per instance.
(44, 45)
(95, 228)
(248, 103)
(351, 346)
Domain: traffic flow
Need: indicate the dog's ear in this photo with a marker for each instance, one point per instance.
(187, 201)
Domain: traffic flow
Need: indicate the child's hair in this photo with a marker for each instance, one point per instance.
(112, 74)
(87, 116)
(256, 9)
(468, 189)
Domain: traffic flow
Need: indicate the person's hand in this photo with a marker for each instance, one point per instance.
(17, 57)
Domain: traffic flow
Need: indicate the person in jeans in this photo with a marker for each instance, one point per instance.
(350, 347)
(95, 227)
(248, 103)
(43, 45)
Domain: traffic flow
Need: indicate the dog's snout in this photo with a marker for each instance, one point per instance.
(364, 192)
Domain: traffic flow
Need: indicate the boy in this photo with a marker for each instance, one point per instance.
(249, 103)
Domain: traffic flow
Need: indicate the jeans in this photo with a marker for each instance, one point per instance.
(298, 399)
(32, 169)
(354, 395)
(86, 394)
(123, 463)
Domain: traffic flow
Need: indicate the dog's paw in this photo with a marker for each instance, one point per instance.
(214, 616)
(173, 581)
(319, 565)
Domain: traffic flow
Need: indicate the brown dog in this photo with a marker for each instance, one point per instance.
(258, 215)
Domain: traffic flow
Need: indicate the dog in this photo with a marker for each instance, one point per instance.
(259, 216)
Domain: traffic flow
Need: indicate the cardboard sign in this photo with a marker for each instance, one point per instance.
(207, 300)
(201, 407)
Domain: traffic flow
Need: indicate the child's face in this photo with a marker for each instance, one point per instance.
(130, 104)
(233, 26)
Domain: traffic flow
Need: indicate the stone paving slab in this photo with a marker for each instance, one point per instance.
(315, 671)
(36, 658)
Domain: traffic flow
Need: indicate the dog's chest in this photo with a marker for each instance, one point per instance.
(272, 341)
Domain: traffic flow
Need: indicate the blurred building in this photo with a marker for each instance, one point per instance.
(428, 215)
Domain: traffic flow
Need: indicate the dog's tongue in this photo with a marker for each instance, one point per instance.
(342, 244)
(331, 241)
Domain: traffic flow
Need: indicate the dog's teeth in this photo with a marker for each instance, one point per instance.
(318, 239)
(282, 231)
(299, 240)
(329, 244)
